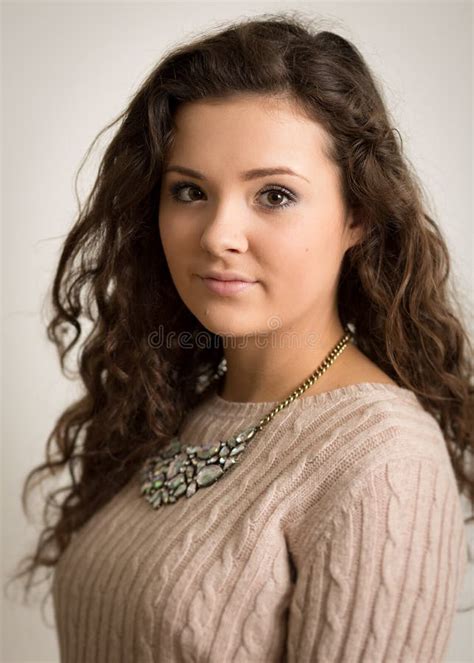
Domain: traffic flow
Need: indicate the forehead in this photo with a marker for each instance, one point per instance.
(248, 129)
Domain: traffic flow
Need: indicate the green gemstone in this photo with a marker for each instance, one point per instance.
(229, 462)
(175, 466)
(245, 435)
(180, 490)
(207, 452)
(208, 475)
(171, 449)
(177, 481)
(191, 489)
(232, 442)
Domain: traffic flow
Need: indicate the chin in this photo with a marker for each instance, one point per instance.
(224, 324)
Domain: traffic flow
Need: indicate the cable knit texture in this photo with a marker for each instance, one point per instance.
(338, 537)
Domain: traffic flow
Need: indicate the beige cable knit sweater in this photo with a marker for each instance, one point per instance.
(338, 537)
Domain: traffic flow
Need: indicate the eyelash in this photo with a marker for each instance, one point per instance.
(176, 188)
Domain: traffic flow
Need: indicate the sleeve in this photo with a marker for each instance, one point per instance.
(379, 582)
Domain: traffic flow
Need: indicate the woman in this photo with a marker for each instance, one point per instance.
(264, 469)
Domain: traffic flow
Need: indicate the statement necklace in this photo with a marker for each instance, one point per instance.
(180, 470)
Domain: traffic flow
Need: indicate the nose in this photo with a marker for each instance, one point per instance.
(224, 232)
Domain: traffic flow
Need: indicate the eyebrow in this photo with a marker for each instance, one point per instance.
(245, 176)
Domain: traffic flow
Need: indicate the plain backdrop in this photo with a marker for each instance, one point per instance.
(68, 70)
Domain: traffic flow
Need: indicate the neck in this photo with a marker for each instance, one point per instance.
(269, 374)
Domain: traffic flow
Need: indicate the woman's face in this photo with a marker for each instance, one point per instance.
(284, 231)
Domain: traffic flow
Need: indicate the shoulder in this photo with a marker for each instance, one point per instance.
(365, 418)
(366, 442)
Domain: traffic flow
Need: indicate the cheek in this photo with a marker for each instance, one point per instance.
(173, 242)
(173, 253)
(308, 267)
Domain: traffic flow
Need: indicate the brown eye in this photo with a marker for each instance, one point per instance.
(176, 189)
(275, 195)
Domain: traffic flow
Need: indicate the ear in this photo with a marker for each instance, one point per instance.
(354, 230)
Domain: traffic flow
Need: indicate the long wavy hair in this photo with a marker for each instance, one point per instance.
(393, 291)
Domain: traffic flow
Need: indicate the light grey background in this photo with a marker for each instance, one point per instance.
(68, 70)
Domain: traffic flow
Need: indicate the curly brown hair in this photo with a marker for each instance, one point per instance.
(393, 291)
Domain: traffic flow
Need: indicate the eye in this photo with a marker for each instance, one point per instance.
(175, 190)
(274, 189)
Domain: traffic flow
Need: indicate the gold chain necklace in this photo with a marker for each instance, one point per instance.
(181, 469)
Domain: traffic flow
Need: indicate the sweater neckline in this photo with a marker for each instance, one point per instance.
(221, 406)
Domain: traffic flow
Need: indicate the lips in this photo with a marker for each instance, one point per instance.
(221, 287)
(227, 276)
